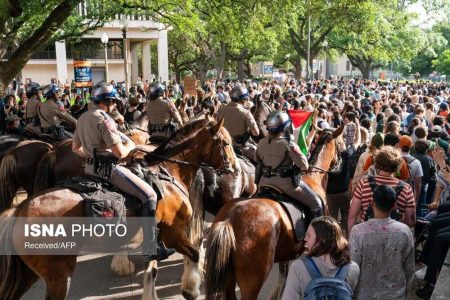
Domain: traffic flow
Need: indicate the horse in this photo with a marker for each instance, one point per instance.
(249, 235)
(36, 165)
(210, 147)
(7, 142)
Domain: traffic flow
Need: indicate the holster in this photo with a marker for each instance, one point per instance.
(258, 172)
(296, 176)
(104, 161)
(59, 132)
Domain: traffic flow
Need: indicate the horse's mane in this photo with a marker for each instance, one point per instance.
(178, 141)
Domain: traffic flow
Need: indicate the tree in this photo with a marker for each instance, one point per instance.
(442, 63)
(183, 52)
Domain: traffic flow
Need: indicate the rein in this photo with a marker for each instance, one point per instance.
(315, 154)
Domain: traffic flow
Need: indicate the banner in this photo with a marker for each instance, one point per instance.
(190, 85)
(83, 73)
(268, 69)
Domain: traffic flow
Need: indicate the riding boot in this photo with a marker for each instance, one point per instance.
(149, 228)
(314, 203)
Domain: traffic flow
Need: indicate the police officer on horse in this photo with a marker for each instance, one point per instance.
(98, 139)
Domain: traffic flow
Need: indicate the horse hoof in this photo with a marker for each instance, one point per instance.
(187, 295)
(121, 266)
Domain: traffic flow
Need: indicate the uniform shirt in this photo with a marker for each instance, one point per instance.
(31, 108)
(95, 129)
(262, 111)
(237, 119)
(52, 113)
(160, 111)
(277, 152)
(364, 194)
(384, 251)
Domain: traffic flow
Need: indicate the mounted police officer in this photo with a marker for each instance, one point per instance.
(34, 94)
(280, 162)
(52, 113)
(239, 121)
(163, 117)
(98, 139)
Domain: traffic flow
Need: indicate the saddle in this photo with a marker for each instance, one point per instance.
(298, 213)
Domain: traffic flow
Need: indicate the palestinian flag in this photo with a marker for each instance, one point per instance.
(301, 121)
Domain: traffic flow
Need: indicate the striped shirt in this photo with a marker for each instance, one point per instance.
(363, 193)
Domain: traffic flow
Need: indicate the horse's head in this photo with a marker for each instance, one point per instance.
(217, 148)
(326, 153)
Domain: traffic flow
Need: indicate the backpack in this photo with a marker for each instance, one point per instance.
(128, 116)
(408, 161)
(330, 288)
(395, 213)
(353, 160)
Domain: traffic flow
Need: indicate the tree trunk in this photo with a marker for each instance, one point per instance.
(36, 41)
(221, 61)
(177, 74)
(201, 69)
(298, 68)
(248, 68)
(240, 69)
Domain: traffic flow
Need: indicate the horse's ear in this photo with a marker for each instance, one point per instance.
(338, 132)
(217, 127)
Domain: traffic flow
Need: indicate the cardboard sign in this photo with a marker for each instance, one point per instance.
(190, 85)
(83, 73)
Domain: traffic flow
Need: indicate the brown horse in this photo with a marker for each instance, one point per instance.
(36, 166)
(248, 236)
(212, 146)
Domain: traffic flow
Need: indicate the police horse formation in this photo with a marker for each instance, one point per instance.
(208, 176)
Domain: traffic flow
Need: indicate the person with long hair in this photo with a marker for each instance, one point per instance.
(328, 248)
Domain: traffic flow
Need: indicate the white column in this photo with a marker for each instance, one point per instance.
(61, 61)
(163, 57)
(146, 61)
(134, 64)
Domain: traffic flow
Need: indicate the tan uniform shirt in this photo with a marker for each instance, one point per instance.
(52, 114)
(237, 119)
(160, 111)
(261, 116)
(31, 108)
(280, 152)
(95, 129)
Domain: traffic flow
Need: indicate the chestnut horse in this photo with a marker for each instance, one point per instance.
(249, 235)
(36, 165)
(211, 146)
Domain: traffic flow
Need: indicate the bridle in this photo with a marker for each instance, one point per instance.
(316, 151)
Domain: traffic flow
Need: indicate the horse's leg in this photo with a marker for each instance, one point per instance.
(121, 264)
(283, 267)
(176, 237)
(150, 273)
(56, 271)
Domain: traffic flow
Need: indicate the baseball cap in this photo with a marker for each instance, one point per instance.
(443, 105)
(405, 142)
(436, 128)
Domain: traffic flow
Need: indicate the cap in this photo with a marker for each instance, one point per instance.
(436, 128)
(443, 105)
(377, 140)
(405, 142)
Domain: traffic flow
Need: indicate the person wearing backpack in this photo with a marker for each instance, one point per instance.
(327, 271)
(384, 250)
(414, 166)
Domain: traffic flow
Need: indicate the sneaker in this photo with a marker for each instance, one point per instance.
(425, 292)
(421, 273)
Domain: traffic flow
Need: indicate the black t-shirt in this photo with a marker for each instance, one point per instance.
(338, 181)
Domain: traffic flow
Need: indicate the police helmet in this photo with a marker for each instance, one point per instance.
(32, 89)
(277, 121)
(239, 93)
(104, 92)
(156, 90)
(50, 90)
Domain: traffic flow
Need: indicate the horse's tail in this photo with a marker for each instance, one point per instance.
(8, 182)
(220, 246)
(12, 268)
(45, 172)
(195, 226)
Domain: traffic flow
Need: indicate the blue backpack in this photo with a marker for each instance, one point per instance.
(329, 288)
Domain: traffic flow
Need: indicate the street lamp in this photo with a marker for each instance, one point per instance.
(105, 43)
(325, 46)
(124, 26)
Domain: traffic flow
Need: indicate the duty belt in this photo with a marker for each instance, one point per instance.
(47, 130)
(158, 128)
(286, 171)
(29, 120)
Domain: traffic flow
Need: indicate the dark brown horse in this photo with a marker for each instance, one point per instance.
(212, 146)
(248, 236)
(9, 141)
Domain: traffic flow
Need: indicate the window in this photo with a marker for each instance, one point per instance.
(347, 67)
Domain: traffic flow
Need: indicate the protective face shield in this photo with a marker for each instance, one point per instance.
(239, 93)
(156, 90)
(277, 121)
(52, 91)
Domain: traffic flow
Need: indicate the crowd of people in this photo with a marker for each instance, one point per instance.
(394, 169)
